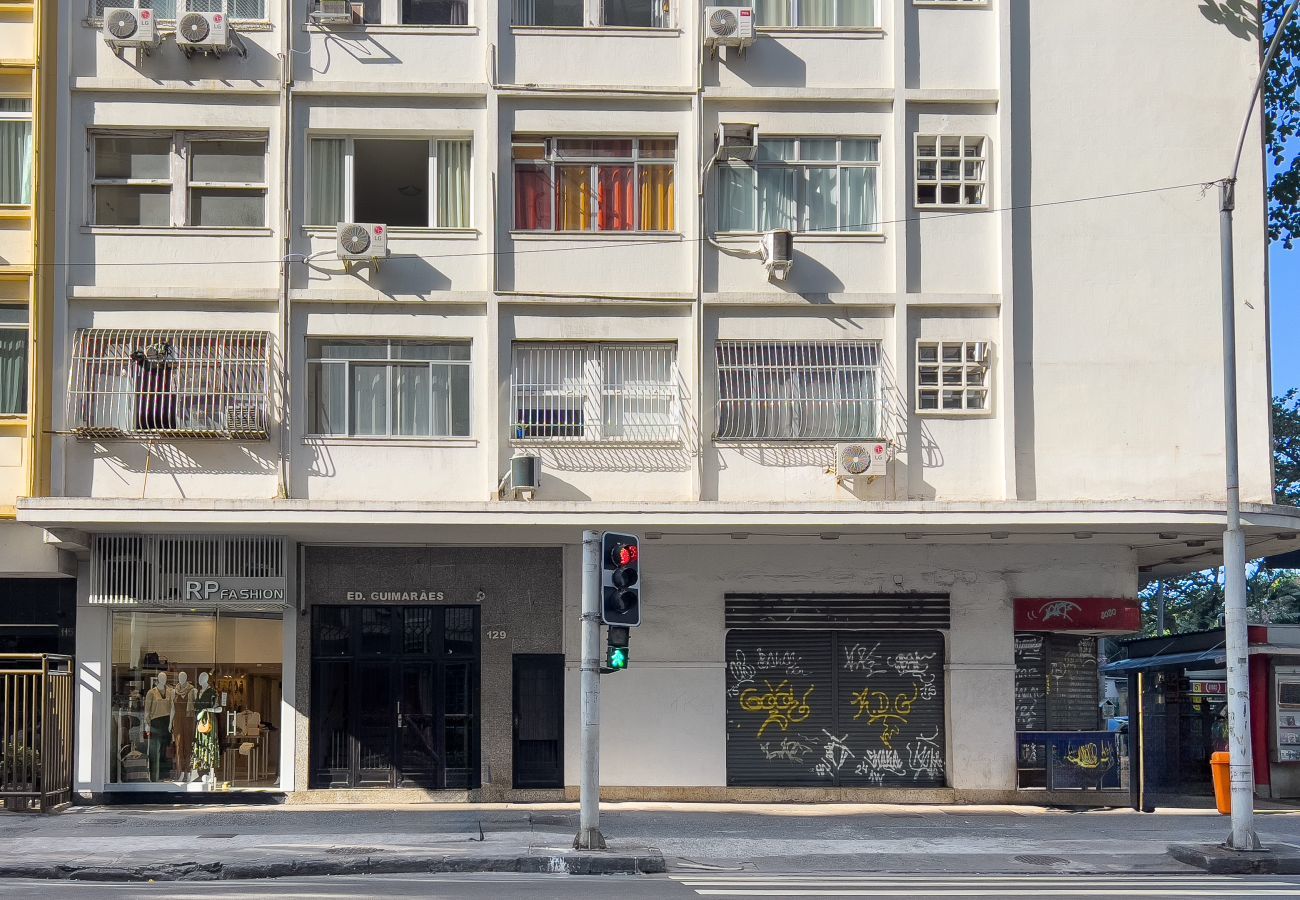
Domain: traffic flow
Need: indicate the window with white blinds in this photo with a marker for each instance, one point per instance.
(602, 393)
(798, 390)
(163, 383)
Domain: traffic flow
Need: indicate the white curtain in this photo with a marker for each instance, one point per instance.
(817, 13)
(857, 13)
(772, 13)
(858, 190)
(776, 198)
(16, 162)
(13, 371)
(326, 188)
(411, 389)
(453, 184)
(736, 198)
(370, 399)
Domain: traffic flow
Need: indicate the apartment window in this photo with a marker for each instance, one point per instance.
(952, 376)
(606, 393)
(388, 388)
(398, 182)
(15, 151)
(165, 383)
(798, 390)
(951, 170)
(166, 9)
(803, 184)
(13, 360)
(813, 13)
(185, 179)
(575, 13)
(594, 184)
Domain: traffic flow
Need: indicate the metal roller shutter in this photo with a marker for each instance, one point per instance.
(852, 708)
(1056, 682)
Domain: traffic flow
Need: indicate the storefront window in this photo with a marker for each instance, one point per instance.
(196, 699)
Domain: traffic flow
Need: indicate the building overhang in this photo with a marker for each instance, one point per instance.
(1165, 538)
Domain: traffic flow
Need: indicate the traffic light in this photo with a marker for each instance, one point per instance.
(616, 655)
(620, 563)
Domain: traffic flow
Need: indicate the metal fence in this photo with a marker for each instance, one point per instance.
(36, 721)
(162, 569)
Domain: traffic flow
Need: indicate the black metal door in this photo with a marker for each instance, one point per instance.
(395, 697)
(539, 721)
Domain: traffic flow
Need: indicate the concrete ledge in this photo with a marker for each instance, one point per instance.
(1217, 860)
(640, 861)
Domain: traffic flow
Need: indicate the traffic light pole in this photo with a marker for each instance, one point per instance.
(589, 836)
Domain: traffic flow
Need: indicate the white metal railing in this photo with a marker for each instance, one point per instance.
(166, 10)
(187, 570)
(161, 383)
(595, 393)
(799, 390)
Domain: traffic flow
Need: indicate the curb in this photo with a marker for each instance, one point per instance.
(1217, 860)
(647, 862)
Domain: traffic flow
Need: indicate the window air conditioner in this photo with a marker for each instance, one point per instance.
(865, 458)
(738, 140)
(245, 420)
(778, 253)
(356, 242)
(728, 26)
(207, 32)
(131, 28)
(337, 12)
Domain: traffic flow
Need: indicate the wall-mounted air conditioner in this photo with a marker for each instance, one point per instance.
(337, 12)
(208, 32)
(130, 29)
(359, 242)
(861, 459)
(728, 26)
(778, 253)
(737, 140)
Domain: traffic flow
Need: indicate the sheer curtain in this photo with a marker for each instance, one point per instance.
(772, 13)
(736, 198)
(326, 189)
(817, 13)
(13, 371)
(453, 183)
(532, 198)
(15, 151)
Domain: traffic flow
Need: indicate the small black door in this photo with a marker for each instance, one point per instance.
(395, 696)
(539, 720)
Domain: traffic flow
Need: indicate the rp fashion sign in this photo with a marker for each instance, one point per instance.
(1090, 615)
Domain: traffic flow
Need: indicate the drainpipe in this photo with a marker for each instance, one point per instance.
(284, 325)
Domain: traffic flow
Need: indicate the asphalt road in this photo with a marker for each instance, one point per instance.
(674, 887)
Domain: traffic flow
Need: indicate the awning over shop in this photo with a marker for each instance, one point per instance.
(1212, 657)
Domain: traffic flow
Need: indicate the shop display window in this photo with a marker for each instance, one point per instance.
(195, 699)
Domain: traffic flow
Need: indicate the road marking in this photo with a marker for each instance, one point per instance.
(998, 892)
(1029, 885)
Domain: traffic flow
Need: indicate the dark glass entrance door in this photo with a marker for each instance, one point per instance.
(539, 720)
(395, 696)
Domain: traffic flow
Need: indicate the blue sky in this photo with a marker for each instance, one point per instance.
(1284, 275)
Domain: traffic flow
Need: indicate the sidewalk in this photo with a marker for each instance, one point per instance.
(199, 843)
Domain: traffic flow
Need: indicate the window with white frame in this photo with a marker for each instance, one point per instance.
(798, 390)
(605, 393)
(577, 13)
(952, 376)
(398, 182)
(594, 184)
(169, 383)
(14, 340)
(194, 179)
(15, 151)
(407, 12)
(803, 184)
(166, 10)
(950, 2)
(388, 388)
(813, 13)
(951, 170)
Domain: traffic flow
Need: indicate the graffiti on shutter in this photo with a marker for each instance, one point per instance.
(1031, 692)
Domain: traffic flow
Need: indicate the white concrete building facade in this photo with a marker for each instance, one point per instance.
(283, 475)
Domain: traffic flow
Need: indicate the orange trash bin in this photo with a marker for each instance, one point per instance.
(1221, 775)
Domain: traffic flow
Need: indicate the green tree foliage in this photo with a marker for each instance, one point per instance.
(1286, 447)
(1282, 120)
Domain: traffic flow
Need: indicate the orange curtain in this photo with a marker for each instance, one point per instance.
(657, 198)
(573, 199)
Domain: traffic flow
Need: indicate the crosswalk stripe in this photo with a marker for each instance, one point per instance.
(998, 892)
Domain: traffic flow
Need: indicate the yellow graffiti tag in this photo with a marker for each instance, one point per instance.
(881, 709)
(782, 707)
(1087, 756)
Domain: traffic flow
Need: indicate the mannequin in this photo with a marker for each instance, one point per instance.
(158, 712)
(207, 749)
(183, 723)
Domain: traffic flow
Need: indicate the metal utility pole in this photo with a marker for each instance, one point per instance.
(589, 836)
(1243, 836)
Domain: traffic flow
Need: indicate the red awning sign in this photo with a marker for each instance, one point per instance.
(1094, 615)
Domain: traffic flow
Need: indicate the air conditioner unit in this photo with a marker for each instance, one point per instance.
(130, 29)
(337, 12)
(859, 459)
(207, 32)
(778, 253)
(525, 475)
(356, 242)
(738, 140)
(728, 26)
(245, 419)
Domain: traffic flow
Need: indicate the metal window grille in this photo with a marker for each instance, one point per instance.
(952, 376)
(799, 390)
(602, 393)
(161, 383)
(951, 170)
(133, 569)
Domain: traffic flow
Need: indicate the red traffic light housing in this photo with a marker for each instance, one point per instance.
(620, 579)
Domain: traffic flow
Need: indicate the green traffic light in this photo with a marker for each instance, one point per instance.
(617, 658)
